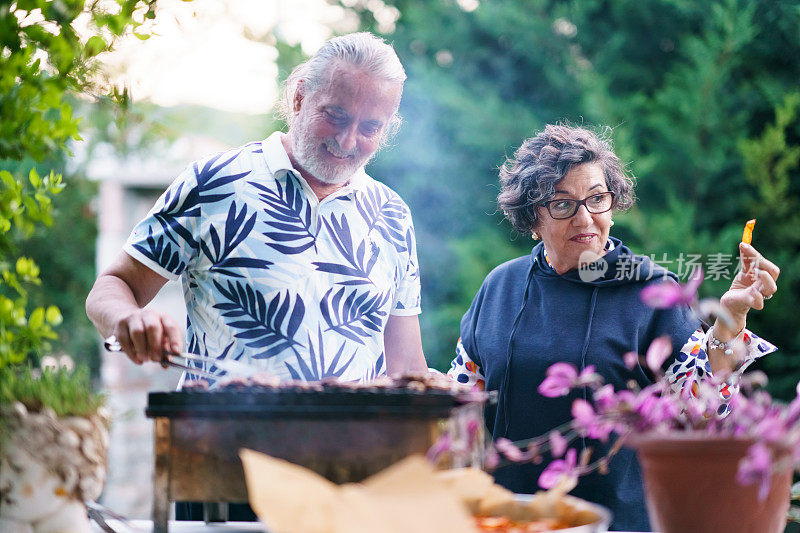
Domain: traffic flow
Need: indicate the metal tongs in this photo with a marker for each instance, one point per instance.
(179, 360)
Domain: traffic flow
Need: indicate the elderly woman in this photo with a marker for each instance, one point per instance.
(559, 304)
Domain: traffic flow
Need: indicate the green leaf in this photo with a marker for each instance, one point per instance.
(95, 45)
(27, 268)
(8, 179)
(34, 178)
(53, 315)
(36, 320)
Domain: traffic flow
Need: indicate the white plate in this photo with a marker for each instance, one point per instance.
(601, 526)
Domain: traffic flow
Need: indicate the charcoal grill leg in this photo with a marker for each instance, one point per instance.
(215, 512)
(161, 476)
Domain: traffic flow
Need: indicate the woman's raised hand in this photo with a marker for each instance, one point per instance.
(753, 284)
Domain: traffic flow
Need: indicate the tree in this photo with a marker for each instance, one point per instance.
(45, 59)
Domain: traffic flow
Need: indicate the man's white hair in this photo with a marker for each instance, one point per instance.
(362, 50)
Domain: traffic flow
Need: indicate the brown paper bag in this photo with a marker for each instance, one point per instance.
(406, 497)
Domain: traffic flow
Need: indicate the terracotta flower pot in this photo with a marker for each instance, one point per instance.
(690, 486)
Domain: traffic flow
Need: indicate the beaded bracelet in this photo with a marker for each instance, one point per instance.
(714, 342)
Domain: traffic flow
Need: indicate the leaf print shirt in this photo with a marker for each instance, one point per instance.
(274, 277)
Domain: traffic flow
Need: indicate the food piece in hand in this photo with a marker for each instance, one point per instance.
(747, 234)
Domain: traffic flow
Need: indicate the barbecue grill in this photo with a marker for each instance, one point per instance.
(342, 434)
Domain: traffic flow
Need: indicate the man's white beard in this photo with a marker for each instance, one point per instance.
(306, 153)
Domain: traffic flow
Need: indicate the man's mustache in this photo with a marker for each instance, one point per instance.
(334, 148)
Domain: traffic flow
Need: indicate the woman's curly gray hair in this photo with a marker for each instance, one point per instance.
(542, 161)
(363, 50)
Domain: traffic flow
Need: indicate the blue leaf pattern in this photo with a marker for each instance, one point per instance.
(269, 328)
(237, 228)
(295, 286)
(178, 205)
(351, 315)
(196, 347)
(359, 265)
(161, 252)
(378, 369)
(385, 213)
(291, 214)
(317, 369)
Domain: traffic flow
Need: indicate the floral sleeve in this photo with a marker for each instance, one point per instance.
(464, 370)
(692, 362)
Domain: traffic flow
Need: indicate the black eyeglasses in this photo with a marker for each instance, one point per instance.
(567, 207)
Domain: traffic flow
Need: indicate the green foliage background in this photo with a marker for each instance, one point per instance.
(45, 64)
(703, 98)
(705, 105)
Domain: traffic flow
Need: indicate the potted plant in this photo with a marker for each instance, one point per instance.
(703, 472)
(52, 450)
(711, 460)
(53, 430)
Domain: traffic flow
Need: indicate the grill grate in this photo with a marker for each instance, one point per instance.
(293, 403)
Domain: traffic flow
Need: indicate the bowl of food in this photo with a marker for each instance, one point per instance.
(570, 515)
(497, 510)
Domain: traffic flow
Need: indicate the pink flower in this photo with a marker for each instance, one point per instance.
(755, 467)
(588, 378)
(559, 380)
(440, 447)
(771, 428)
(605, 399)
(793, 412)
(665, 411)
(509, 450)
(559, 468)
(562, 377)
(583, 412)
(472, 429)
(668, 294)
(630, 359)
(657, 353)
(558, 444)
(587, 422)
(653, 409)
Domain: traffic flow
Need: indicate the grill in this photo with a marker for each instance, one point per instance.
(344, 435)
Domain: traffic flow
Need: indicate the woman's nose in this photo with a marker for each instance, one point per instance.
(583, 216)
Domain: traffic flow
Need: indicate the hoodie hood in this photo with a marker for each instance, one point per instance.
(618, 266)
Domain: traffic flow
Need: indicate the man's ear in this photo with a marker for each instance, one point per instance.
(299, 94)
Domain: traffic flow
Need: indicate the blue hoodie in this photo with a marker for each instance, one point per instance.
(526, 317)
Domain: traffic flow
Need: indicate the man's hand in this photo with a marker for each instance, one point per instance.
(115, 306)
(145, 335)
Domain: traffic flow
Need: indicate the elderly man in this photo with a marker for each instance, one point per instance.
(292, 258)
